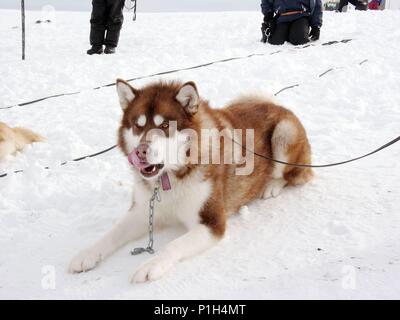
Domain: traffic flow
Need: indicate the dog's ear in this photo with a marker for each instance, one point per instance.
(126, 93)
(188, 97)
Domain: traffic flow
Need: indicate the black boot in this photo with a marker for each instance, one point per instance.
(95, 50)
(109, 50)
(115, 18)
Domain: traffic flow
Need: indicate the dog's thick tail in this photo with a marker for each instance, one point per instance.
(25, 136)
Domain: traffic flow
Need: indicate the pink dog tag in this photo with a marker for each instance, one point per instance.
(165, 183)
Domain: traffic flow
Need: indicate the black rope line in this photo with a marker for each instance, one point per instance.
(23, 28)
(287, 88)
(167, 72)
(301, 165)
(329, 43)
(66, 162)
(324, 73)
(320, 76)
(42, 99)
(92, 155)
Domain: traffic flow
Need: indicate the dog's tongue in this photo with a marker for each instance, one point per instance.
(135, 161)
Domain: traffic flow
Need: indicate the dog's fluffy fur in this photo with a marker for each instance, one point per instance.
(15, 139)
(202, 195)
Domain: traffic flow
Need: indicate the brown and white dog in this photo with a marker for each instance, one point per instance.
(204, 192)
(15, 139)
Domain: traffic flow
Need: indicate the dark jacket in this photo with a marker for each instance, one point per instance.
(309, 8)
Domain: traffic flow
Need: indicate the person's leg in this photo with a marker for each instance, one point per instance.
(280, 34)
(299, 31)
(98, 23)
(115, 18)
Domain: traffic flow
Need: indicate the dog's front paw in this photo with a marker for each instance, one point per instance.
(84, 261)
(153, 270)
(274, 188)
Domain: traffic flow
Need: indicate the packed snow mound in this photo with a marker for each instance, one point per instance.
(337, 237)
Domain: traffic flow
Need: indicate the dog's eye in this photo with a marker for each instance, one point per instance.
(165, 125)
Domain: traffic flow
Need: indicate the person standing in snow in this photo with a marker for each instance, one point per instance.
(291, 20)
(105, 25)
(359, 4)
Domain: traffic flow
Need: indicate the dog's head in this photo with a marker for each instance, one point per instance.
(156, 125)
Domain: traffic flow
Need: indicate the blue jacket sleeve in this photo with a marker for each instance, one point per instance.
(316, 17)
(267, 7)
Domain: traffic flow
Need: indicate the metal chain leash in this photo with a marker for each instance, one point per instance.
(156, 196)
(132, 7)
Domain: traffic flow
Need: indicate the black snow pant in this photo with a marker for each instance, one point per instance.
(296, 32)
(106, 22)
(360, 5)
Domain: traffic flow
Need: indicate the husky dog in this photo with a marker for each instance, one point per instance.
(198, 191)
(15, 139)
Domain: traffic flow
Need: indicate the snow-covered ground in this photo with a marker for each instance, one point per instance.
(337, 237)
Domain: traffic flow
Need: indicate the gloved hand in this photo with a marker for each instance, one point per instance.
(267, 27)
(314, 34)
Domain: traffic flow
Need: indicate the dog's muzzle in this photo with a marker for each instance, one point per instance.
(138, 159)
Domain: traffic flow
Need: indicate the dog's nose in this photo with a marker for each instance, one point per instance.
(141, 151)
